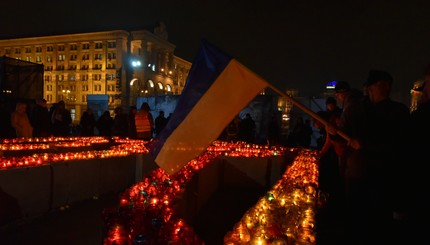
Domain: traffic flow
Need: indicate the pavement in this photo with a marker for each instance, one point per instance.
(79, 224)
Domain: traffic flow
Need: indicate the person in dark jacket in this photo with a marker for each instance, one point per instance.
(41, 120)
(87, 123)
(377, 127)
(160, 122)
(120, 123)
(104, 124)
(61, 120)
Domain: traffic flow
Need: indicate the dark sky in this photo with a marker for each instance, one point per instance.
(292, 44)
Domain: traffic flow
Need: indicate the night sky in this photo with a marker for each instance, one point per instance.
(292, 44)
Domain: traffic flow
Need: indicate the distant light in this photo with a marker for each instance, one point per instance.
(331, 85)
(132, 81)
(136, 63)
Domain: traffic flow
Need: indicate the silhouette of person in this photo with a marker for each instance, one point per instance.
(61, 120)
(330, 177)
(232, 129)
(21, 122)
(247, 129)
(131, 122)
(40, 119)
(160, 122)
(144, 122)
(120, 123)
(104, 124)
(87, 123)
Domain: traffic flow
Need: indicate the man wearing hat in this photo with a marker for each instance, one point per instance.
(378, 129)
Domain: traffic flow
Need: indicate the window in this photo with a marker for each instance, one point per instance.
(61, 57)
(49, 58)
(49, 48)
(111, 56)
(111, 66)
(73, 57)
(59, 78)
(7, 51)
(84, 67)
(49, 97)
(38, 58)
(47, 78)
(85, 57)
(38, 49)
(97, 77)
(84, 98)
(151, 83)
(73, 47)
(73, 88)
(48, 87)
(84, 77)
(99, 45)
(86, 46)
(110, 77)
(110, 87)
(97, 66)
(84, 87)
(28, 58)
(111, 99)
(49, 68)
(60, 68)
(61, 48)
(72, 77)
(17, 51)
(72, 67)
(111, 44)
(97, 87)
(28, 50)
(98, 56)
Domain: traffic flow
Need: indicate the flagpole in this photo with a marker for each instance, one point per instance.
(309, 111)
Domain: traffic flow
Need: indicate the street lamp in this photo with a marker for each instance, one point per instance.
(136, 63)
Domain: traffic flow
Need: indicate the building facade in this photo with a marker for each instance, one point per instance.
(122, 64)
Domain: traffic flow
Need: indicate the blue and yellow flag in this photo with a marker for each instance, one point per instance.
(218, 87)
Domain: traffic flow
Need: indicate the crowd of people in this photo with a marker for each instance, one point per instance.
(371, 161)
(240, 129)
(135, 124)
(35, 119)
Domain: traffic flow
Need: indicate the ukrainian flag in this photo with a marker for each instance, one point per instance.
(218, 87)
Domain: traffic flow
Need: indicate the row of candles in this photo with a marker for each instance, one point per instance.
(33, 155)
(147, 214)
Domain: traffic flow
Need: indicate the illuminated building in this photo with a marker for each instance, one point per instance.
(121, 64)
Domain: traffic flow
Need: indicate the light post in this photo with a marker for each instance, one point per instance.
(135, 86)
